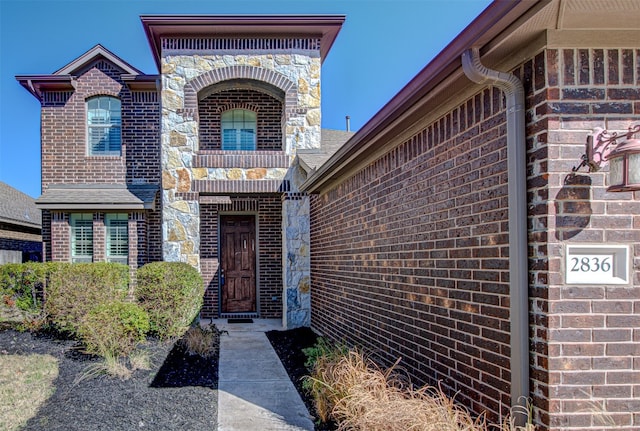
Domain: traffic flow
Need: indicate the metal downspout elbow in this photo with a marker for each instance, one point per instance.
(517, 201)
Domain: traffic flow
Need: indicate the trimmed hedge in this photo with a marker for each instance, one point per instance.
(172, 294)
(76, 288)
(114, 328)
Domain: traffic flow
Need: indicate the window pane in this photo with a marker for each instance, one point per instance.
(104, 121)
(238, 130)
(117, 237)
(81, 237)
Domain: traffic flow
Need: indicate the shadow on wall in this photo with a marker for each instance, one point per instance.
(573, 206)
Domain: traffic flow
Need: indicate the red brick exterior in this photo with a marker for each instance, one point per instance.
(269, 237)
(410, 254)
(415, 246)
(267, 108)
(585, 338)
(65, 159)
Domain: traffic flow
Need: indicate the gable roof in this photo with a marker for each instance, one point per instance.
(97, 51)
(18, 208)
(64, 78)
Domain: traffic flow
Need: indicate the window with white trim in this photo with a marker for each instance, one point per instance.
(81, 237)
(117, 237)
(104, 126)
(238, 130)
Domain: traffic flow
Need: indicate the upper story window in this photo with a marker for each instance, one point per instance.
(104, 124)
(81, 237)
(238, 130)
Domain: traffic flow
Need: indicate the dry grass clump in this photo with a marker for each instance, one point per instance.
(352, 390)
(25, 384)
(202, 341)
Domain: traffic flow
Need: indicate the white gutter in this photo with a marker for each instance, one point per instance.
(517, 200)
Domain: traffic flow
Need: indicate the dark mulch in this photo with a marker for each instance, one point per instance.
(178, 393)
(288, 345)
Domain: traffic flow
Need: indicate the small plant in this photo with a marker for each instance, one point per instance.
(114, 328)
(140, 360)
(171, 292)
(201, 341)
(111, 365)
(321, 359)
(323, 349)
(354, 391)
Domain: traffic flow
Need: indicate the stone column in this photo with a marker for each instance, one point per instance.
(296, 269)
(179, 141)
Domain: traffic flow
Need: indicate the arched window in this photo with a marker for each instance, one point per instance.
(238, 130)
(104, 123)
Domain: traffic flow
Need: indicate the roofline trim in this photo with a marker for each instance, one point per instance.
(490, 23)
(156, 27)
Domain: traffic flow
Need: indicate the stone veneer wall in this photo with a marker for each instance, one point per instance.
(295, 73)
(183, 76)
(295, 260)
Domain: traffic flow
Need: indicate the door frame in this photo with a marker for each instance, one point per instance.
(221, 215)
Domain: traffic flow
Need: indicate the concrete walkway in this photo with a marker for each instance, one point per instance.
(254, 390)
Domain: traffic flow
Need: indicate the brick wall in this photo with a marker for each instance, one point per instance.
(585, 336)
(65, 159)
(63, 125)
(415, 246)
(268, 110)
(269, 221)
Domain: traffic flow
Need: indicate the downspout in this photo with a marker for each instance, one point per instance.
(517, 201)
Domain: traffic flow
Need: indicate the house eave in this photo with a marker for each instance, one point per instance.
(491, 22)
(37, 84)
(156, 27)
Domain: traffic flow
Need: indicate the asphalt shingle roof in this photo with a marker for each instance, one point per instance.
(18, 208)
(330, 141)
(94, 196)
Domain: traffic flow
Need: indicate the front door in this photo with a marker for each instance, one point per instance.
(238, 263)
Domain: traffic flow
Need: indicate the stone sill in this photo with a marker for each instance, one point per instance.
(241, 159)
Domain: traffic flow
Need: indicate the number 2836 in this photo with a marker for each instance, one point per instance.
(591, 264)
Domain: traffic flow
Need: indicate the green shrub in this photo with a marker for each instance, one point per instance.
(22, 284)
(113, 329)
(22, 287)
(75, 288)
(171, 292)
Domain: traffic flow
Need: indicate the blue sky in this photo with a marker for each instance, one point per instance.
(382, 45)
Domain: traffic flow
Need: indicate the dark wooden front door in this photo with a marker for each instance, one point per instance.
(238, 263)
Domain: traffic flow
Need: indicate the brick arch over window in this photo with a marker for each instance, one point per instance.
(269, 110)
(102, 93)
(240, 105)
(193, 87)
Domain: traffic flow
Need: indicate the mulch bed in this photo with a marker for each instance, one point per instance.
(178, 393)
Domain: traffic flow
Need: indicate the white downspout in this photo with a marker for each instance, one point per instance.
(517, 200)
